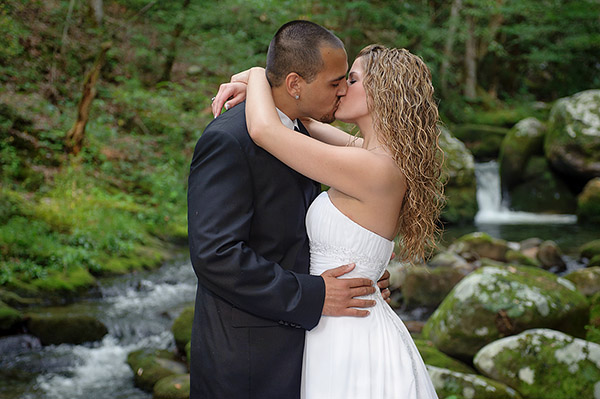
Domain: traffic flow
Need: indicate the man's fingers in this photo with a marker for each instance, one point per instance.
(359, 282)
(361, 303)
(361, 291)
(339, 271)
(355, 312)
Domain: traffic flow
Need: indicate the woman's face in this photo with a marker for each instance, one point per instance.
(353, 106)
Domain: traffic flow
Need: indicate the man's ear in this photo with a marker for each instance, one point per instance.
(293, 84)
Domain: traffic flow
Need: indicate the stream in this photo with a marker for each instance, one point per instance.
(138, 310)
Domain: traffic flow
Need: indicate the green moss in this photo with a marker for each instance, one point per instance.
(172, 387)
(588, 203)
(590, 249)
(518, 257)
(461, 205)
(434, 357)
(593, 327)
(560, 366)
(182, 328)
(494, 302)
(9, 317)
(150, 365)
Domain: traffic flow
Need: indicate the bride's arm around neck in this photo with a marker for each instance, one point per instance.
(354, 171)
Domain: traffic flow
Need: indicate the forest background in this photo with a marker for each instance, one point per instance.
(138, 76)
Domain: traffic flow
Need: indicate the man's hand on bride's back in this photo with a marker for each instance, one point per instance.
(341, 293)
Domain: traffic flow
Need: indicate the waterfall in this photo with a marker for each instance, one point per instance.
(493, 211)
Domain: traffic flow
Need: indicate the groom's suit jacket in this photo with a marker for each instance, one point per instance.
(249, 249)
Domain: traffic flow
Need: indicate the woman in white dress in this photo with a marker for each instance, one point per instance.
(383, 185)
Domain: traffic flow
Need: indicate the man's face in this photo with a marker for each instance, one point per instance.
(320, 98)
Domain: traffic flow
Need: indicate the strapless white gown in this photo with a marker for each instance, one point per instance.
(357, 358)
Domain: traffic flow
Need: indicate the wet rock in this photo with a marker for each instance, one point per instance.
(529, 243)
(590, 249)
(588, 203)
(434, 357)
(449, 259)
(450, 383)
(586, 280)
(484, 141)
(461, 187)
(172, 387)
(150, 365)
(541, 190)
(10, 318)
(524, 140)
(182, 328)
(15, 344)
(572, 143)
(543, 363)
(55, 329)
(493, 302)
(521, 258)
(423, 286)
(550, 257)
(480, 245)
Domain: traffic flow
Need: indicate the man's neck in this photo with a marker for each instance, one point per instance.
(284, 102)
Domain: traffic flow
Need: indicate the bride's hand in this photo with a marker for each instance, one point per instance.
(229, 95)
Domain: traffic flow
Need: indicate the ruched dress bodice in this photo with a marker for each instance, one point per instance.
(349, 357)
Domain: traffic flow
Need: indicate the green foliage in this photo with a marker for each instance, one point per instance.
(10, 31)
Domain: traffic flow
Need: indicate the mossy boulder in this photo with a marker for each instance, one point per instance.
(182, 328)
(188, 353)
(9, 318)
(480, 245)
(427, 287)
(54, 327)
(572, 143)
(543, 363)
(541, 190)
(590, 249)
(586, 280)
(150, 365)
(461, 186)
(454, 384)
(588, 203)
(448, 259)
(434, 357)
(593, 327)
(520, 258)
(550, 257)
(484, 141)
(493, 302)
(524, 140)
(172, 387)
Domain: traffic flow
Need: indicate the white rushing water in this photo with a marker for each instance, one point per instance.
(138, 311)
(493, 211)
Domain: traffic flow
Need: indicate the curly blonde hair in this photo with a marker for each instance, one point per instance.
(405, 117)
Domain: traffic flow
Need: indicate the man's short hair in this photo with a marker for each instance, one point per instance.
(296, 47)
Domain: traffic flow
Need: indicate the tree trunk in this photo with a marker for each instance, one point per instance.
(97, 10)
(453, 25)
(470, 60)
(75, 135)
(172, 51)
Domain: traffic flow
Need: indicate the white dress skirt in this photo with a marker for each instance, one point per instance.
(349, 357)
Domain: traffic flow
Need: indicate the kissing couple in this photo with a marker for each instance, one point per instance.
(288, 303)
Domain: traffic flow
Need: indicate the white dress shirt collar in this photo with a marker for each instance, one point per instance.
(287, 122)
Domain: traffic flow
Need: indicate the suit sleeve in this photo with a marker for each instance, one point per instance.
(220, 211)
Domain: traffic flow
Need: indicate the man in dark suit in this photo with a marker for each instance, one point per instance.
(248, 242)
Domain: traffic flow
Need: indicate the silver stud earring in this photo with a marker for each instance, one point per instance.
(297, 97)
